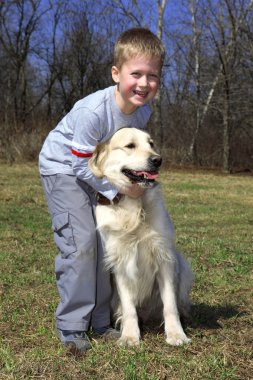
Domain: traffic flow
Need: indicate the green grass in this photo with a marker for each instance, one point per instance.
(213, 218)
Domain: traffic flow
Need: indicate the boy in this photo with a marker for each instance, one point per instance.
(72, 191)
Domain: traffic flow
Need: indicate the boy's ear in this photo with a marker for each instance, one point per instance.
(96, 161)
(115, 74)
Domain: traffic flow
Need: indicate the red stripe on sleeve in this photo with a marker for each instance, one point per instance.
(78, 154)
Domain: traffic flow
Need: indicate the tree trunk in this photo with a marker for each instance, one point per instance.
(157, 117)
(226, 130)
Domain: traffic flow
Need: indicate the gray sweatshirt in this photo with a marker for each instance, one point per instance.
(92, 120)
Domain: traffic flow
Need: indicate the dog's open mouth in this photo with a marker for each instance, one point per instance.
(141, 175)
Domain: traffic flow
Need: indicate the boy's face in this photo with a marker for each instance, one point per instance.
(138, 81)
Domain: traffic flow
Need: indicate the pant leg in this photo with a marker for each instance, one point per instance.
(75, 234)
(101, 314)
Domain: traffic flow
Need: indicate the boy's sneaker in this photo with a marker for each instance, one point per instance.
(75, 340)
(106, 332)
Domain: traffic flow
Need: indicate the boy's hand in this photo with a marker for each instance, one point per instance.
(134, 191)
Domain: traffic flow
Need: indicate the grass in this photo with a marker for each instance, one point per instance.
(213, 217)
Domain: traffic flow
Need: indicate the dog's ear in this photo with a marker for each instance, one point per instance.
(96, 161)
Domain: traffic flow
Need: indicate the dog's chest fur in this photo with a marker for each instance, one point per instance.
(134, 245)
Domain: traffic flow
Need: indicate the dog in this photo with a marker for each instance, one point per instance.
(152, 279)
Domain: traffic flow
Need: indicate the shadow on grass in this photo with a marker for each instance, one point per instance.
(207, 316)
(201, 316)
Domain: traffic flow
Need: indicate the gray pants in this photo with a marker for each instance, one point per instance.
(83, 283)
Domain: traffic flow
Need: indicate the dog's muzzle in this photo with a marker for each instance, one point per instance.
(147, 176)
(155, 162)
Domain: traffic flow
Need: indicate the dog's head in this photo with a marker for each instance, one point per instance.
(128, 157)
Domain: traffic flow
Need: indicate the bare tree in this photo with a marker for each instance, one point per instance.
(213, 58)
(157, 115)
(130, 10)
(19, 21)
(226, 41)
(196, 46)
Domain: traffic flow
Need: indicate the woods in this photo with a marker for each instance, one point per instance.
(53, 53)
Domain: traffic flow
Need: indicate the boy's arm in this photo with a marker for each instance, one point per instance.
(87, 135)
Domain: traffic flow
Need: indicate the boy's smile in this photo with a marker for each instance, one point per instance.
(138, 81)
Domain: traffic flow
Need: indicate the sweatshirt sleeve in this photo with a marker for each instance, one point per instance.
(88, 132)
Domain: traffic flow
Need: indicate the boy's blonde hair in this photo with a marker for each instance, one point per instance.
(137, 42)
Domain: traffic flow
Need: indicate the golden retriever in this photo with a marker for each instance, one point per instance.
(152, 278)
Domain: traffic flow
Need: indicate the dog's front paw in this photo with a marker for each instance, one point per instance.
(177, 339)
(129, 340)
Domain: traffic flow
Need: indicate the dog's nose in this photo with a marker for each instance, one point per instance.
(155, 161)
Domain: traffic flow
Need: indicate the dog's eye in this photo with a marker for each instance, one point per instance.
(151, 143)
(130, 146)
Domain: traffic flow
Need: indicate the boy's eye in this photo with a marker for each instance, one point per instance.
(135, 74)
(153, 76)
(130, 146)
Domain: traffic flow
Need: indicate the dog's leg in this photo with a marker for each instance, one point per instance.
(130, 332)
(173, 329)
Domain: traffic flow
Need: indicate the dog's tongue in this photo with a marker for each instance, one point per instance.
(148, 175)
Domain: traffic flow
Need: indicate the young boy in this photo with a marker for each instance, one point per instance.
(72, 191)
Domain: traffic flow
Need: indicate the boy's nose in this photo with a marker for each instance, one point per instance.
(143, 81)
